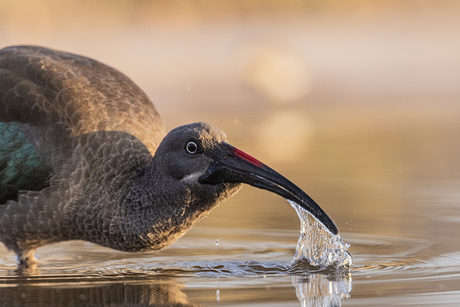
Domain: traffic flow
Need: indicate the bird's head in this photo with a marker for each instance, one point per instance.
(198, 156)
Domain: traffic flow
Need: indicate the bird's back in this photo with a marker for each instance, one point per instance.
(48, 99)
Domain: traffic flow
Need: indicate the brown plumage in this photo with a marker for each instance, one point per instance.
(84, 155)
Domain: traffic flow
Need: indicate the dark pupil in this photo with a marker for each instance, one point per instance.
(191, 147)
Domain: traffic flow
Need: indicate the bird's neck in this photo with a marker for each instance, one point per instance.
(158, 210)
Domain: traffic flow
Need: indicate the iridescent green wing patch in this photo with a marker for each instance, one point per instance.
(20, 166)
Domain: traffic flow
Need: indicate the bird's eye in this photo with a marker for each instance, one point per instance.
(191, 147)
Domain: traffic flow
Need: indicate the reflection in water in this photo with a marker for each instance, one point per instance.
(59, 292)
(319, 290)
(312, 289)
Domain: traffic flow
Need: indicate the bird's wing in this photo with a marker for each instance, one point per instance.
(48, 98)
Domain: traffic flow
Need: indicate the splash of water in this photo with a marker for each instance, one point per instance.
(322, 290)
(317, 246)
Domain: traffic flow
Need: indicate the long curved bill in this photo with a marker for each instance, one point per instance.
(235, 166)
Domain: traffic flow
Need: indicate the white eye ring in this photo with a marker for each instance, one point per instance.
(191, 147)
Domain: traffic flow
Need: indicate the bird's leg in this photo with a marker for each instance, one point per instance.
(26, 258)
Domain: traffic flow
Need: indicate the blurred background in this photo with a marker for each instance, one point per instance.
(355, 101)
